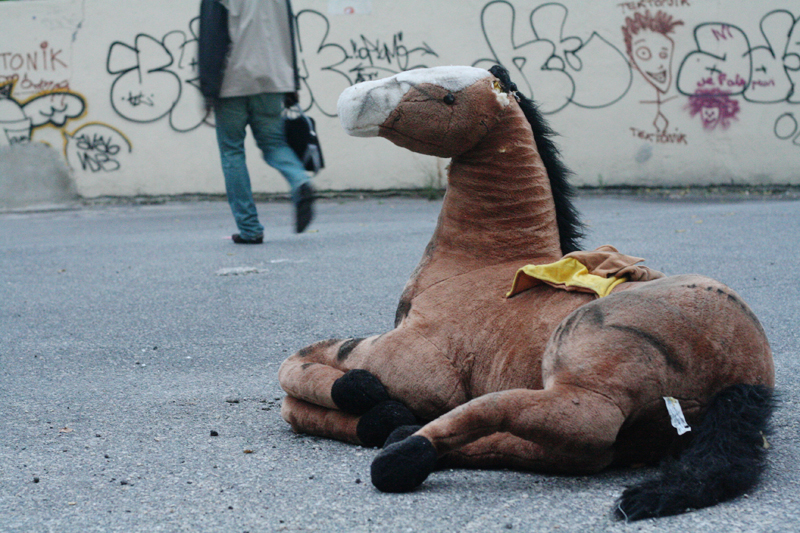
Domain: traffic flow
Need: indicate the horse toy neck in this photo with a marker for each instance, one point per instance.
(499, 206)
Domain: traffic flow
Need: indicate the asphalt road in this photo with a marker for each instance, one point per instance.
(131, 333)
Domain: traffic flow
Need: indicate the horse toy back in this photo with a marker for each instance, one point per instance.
(536, 377)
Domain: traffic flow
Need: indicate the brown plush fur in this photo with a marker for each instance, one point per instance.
(548, 379)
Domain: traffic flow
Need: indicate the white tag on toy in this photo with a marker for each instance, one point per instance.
(676, 415)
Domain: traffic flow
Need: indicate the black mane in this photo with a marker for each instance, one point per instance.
(570, 229)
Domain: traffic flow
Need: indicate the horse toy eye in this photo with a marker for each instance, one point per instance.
(449, 99)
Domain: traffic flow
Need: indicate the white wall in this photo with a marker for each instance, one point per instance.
(115, 94)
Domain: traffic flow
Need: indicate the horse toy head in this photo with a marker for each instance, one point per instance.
(432, 111)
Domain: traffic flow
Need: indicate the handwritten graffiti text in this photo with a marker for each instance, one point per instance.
(34, 71)
(377, 58)
(659, 137)
(638, 5)
(328, 67)
(46, 58)
(96, 147)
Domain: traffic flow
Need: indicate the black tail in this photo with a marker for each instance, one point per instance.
(725, 459)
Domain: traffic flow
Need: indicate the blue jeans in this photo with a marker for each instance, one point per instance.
(263, 113)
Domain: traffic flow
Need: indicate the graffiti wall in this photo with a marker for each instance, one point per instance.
(644, 92)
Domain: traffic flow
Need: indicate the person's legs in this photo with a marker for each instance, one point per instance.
(231, 115)
(267, 125)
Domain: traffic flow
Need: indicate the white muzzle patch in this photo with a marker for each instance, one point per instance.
(363, 107)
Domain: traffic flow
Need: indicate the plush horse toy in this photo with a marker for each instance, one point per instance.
(533, 377)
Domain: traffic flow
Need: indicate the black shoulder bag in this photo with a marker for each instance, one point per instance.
(301, 134)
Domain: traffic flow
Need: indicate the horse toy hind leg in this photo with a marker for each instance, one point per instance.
(547, 379)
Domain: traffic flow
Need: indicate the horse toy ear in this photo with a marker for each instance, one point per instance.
(504, 79)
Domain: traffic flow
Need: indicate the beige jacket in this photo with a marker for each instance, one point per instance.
(260, 60)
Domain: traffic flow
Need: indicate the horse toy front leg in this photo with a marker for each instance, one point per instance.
(360, 390)
(569, 429)
(329, 398)
(316, 374)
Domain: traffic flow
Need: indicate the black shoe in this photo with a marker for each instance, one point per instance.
(238, 239)
(304, 209)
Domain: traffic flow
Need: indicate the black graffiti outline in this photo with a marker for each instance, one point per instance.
(324, 45)
(194, 82)
(137, 67)
(551, 63)
(795, 131)
(519, 62)
(770, 50)
(164, 67)
(750, 53)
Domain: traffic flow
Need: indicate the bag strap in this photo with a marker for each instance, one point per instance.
(296, 111)
(292, 23)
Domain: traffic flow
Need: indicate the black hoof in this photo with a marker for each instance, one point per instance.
(380, 421)
(640, 502)
(647, 500)
(403, 466)
(357, 392)
(401, 433)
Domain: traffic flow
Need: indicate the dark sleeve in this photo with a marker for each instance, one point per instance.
(294, 35)
(212, 47)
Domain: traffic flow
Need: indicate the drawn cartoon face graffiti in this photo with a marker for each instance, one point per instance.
(710, 117)
(15, 127)
(652, 57)
(715, 108)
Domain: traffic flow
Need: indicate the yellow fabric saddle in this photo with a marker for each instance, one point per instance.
(596, 272)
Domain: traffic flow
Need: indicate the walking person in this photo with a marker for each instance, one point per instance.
(248, 73)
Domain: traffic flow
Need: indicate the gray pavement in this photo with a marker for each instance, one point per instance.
(130, 333)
